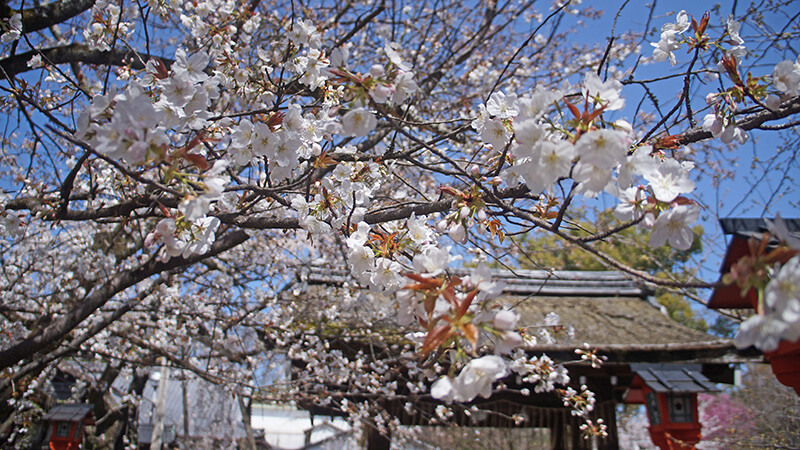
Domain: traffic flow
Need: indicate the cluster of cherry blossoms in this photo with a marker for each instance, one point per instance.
(721, 122)
(12, 28)
(775, 275)
(597, 159)
(11, 223)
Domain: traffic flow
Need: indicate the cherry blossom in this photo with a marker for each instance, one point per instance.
(786, 77)
(670, 38)
(673, 226)
(358, 122)
(475, 379)
(668, 180)
(14, 30)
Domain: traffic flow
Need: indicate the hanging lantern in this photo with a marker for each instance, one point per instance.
(669, 393)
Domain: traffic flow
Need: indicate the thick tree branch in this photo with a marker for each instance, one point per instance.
(17, 64)
(58, 329)
(788, 108)
(49, 14)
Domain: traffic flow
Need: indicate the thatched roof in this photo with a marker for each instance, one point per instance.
(603, 321)
(603, 308)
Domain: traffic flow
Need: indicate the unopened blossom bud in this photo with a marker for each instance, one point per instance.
(381, 93)
(623, 125)
(505, 320)
(480, 216)
(773, 102)
(496, 181)
(441, 226)
(376, 71)
(463, 212)
(711, 98)
(457, 233)
(474, 170)
(150, 239)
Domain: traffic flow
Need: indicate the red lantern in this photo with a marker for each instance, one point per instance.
(673, 419)
(669, 393)
(67, 423)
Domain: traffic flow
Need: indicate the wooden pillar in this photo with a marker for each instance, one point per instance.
(375, 439)
(557, 429)
(609, 415)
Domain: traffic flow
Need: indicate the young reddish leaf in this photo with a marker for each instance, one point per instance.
(465, 304)
(471, 333)
(574, 109)
(435, 338)
(199, 161)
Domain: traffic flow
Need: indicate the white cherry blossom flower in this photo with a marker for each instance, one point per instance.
(605, 93)
(722, 128)
(506, 342)
(304, 32)
(592, 178)
(192, 67)
(358, 122)
(529, 132)
(505, 319)
(404, 86)
(632, 203)
(35, 62)
(762, 331)
(782, 293)
(394, 56)
(203, 231)
(418, 231)
(733, 28)
(673, 226)
(501, 105)
(669, 42)
(432, 260)
(604, 148)
(638, 163)
(668, 180)
(534, 106)
(361, 260)
(786, 78)
(14, 29)
(494, 132)
(475, 379)
(386, 276)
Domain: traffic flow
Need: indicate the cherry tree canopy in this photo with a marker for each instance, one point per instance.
(168, 167)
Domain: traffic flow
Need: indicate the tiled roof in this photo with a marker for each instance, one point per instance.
(674, 378)
(68, 412)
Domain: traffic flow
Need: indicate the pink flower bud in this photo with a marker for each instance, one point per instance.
(376, 71)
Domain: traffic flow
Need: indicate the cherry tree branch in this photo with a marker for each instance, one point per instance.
(98, 297)
(753, 121)
(49, 14)
(75, 53)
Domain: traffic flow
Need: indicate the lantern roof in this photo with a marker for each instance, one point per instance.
(674, 378)
(71, 412)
